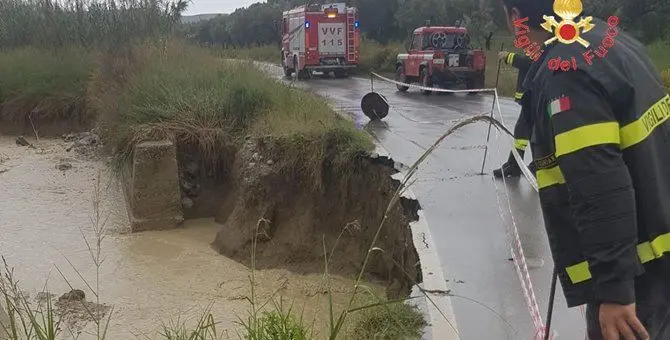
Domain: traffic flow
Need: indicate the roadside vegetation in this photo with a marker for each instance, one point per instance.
(121, 67)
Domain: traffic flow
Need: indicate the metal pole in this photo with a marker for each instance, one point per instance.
(552, 294)
(372, 82)
(488, 134)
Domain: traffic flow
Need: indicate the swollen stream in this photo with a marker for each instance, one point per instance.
(149, 278)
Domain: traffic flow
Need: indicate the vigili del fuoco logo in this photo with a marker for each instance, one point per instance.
(566, 31)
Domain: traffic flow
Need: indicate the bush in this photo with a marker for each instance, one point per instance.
(277, 325)
(397, 320)
(188, 95)
(44, 85)
(55, 24)
(378, 57)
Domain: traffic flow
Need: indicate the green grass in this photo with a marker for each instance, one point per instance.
(378, 57)
(267, 53)
(188, 95)
(43, 84)
(57, 24)
(390, 321)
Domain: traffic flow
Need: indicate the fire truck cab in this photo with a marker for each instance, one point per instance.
(440, 56)
(322, 38)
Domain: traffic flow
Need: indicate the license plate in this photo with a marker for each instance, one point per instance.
(454, 60)
(438, 61)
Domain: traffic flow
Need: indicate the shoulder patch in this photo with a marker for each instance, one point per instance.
(559, 105)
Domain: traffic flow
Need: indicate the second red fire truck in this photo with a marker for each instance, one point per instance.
(322, 38)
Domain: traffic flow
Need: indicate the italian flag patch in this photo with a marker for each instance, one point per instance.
(559, 105)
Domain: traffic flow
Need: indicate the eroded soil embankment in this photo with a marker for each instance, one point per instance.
(297, 215)
(45, 124)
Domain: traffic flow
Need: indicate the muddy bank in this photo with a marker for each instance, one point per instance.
(261, 193)
(149, 278)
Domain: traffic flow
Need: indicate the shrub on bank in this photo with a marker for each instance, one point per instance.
(397, 320)
(378, 57)
(188, 95)
(44, 86)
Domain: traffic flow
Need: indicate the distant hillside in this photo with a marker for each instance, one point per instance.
(189, 19)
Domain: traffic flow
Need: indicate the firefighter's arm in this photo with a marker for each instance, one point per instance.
(518, 60)
(522, 129)
(586, 136)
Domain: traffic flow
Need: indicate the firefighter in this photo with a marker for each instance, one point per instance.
(522, 128)
(601, 135)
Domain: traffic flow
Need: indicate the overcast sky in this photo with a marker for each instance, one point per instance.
(217, 6)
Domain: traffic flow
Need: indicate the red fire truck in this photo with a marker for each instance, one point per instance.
(322, 38)
(441, 56)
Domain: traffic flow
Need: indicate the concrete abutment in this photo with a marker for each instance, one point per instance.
(152, 187)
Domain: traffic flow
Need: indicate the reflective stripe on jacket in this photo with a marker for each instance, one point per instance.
(522, 63)
(601, 146)
(522, 128)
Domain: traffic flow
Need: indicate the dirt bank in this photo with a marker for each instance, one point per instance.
(300, 209)
(147, 278)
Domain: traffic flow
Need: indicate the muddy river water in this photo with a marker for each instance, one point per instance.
(150, 278)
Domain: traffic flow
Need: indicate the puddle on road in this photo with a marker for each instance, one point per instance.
(149, 278)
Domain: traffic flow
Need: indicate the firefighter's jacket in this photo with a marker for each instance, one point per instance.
(601, 145)
(522, 129)
(521, 63)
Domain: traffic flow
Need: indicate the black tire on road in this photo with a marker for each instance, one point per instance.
(425, 81)
(401, 78)
(300, 74)
(325, 75)
(375, 106)
(304, 74)
(340, 74)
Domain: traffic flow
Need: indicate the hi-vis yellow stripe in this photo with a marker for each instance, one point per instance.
(585, 136)
(518, 95)
(610, 132)
(510, 58)
(646, 251)
(549, 177)
(520, 144)
(640, 129)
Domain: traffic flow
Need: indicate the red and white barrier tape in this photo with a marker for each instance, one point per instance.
(516, 248)
(434, 89)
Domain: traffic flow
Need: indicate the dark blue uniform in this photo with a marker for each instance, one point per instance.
(522, 128)
(601, 146)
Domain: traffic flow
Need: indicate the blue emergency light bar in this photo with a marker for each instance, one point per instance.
(357, 24)
(307, 24)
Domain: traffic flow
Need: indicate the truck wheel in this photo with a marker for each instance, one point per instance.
(340, 74)
(287, 71)
(475, 82)
(325, 75)
(401, 78)
(425, 81)
(295, 67)
(301, 74)
(304, 74)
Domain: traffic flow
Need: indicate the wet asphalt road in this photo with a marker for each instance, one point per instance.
(468, 214)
